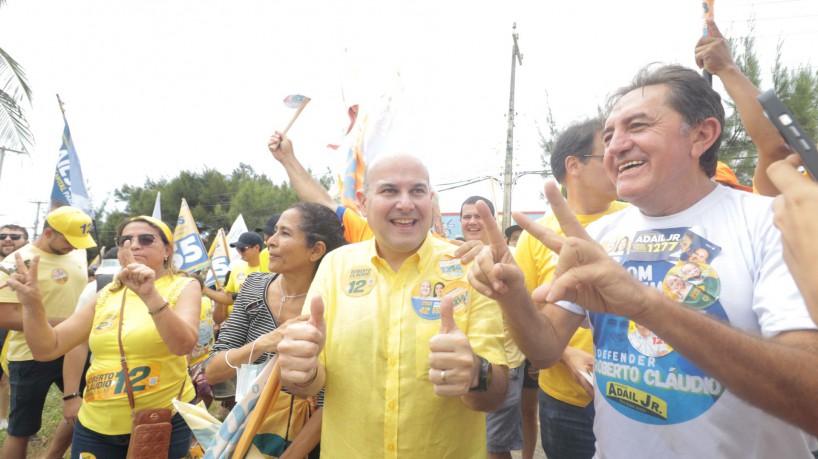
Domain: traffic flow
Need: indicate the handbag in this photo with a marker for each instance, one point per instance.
(151, 430)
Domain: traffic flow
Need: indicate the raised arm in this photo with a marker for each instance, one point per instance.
(713, 54)
(47, 342)
(306, 187)
(541, 334)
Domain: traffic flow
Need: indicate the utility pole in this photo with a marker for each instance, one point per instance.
(516, 57)
(3, 151)
(37, 218)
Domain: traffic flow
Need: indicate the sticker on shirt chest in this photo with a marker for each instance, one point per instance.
(358, 281)
(111, 383)
(449, 268)
(106, 323)
(427, 295)
(59, 276)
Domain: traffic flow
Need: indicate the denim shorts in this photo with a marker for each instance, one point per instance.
(101, 446)
(566, 430)
(29, 382)
(504, 427)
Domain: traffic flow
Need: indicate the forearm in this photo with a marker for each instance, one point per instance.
(771, 146)
(494, 397)
(310, 389)
(533, 330)
(179, 336)
(776, 375)
(307, 439)
(224, 298)
(72, 368)
(306, 188)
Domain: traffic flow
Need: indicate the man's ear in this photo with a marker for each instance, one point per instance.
(361, 197)
(571, 165)
(703, 136)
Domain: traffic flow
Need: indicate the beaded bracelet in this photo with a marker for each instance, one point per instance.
(159, 309)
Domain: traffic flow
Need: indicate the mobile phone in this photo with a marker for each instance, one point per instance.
(791, 130)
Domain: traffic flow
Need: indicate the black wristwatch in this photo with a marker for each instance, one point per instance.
(483, 377)
(70, 396)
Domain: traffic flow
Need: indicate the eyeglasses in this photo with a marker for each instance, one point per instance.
(13, 237)
(143, 239)
(591, 156)
(242, 249)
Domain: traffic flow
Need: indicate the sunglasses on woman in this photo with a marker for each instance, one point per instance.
(143, 239)
(13, 237)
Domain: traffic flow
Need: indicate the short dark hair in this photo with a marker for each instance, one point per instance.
(319, 223)
(576, 140)
(473, 200)
(16, 228)
(690, 95)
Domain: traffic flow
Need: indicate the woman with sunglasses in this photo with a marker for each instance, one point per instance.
(267, 303)
(148, 310)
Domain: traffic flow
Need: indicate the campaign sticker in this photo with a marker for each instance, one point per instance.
(107, 322)
(105, 384)
(358, 281)
(449, 268)
(694, 284)
(459, 292)
(59, 276)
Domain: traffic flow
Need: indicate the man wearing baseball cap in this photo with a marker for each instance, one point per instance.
(62, 274)
(249, 246)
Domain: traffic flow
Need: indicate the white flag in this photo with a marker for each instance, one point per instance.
(238, 228)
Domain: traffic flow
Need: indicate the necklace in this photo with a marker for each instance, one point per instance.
(285, 297)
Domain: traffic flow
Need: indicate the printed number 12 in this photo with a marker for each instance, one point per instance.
(357, 286)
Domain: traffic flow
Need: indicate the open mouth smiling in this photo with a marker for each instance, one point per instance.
(630, 165)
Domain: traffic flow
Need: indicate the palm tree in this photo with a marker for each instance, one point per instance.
(15, 134)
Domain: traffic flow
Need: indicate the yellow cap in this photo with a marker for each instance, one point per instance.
(74, 224)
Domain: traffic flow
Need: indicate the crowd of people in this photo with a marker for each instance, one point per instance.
(669, 310)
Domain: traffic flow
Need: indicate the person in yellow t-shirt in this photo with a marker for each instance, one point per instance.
(565, 399)
(12, 237)
(62, 274)
(405, 376)
(267, 230)
(249, 246)
(152, 312)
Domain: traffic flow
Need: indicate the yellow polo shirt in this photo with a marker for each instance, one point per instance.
(61, 277)
(378, 397)
(538, 263)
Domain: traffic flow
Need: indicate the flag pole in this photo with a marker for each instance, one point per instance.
(94, 218)
(295, 115)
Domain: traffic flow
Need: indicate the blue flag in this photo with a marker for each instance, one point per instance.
(69, 185)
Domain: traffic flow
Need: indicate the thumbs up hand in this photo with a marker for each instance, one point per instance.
(453, 365)
(298, 351)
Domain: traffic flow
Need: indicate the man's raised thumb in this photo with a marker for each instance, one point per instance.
(447, 323)
(317, 312)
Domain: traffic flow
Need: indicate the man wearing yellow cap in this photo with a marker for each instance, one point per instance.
(62, 274)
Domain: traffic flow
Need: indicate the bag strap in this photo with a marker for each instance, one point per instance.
(125, 371)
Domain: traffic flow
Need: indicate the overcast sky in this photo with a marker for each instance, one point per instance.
(155, 87)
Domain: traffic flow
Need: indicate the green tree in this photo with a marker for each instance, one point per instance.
(796, 87)
(14, 90)
(214, 199)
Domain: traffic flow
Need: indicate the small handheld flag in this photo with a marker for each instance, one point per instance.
(298, 102)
